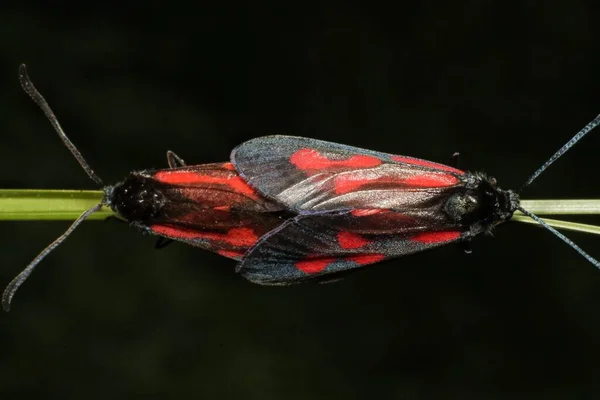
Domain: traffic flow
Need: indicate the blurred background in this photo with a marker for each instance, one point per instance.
(108, 316)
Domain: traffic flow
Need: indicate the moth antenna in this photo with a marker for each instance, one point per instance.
(586, 129)
(561, 236)
(12, 287)
(30, 89)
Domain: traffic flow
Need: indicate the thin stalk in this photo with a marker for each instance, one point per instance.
(560, 224)
(60, 205)
(562, 207)
(49, 205)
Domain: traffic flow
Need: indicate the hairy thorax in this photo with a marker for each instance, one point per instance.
(137, 198)
(480, 204)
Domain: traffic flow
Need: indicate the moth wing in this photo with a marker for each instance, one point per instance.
(309, 174)
(326, 246)
(211, 207)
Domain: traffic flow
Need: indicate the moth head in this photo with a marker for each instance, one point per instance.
(480, 203)
(137, 198)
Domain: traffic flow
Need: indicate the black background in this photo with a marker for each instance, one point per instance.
(107, 316)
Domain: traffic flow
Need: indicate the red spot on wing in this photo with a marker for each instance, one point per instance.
(229, 166)
(239, 237)
(170, 231)
(310, 159)
(363, 212)
(431, 180)
(349, 240)
(314, 265)
(436, 237)
(349, 183)
(222, 208)
(175, 177)
(425, 163)
(364, 259)
(236, 255)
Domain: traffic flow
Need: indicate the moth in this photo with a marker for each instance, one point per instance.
(293, 209)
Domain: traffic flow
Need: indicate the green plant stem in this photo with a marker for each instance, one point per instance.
(560, 224)
(56, 205)
(562, 207)
(49, 205)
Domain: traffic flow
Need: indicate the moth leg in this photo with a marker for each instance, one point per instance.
(453, 162)
(466, 246)
(174, 160)
(162, 242)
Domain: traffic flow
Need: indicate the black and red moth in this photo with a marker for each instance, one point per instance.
(207, 206)
(357, 207)
(294, 209)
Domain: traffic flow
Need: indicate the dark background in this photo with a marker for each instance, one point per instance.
(106, 315)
